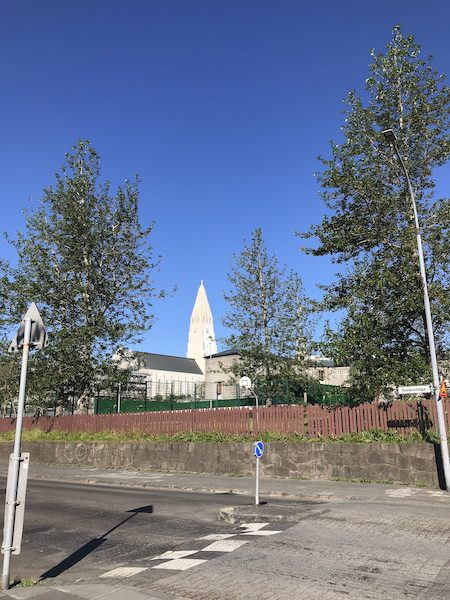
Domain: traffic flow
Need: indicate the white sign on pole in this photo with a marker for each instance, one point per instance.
(19, 509)
(404, 390)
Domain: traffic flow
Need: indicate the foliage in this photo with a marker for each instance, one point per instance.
(268, 317)
(23, 583)
(365, 437)
(85, 260)
(369, 224)
(9, 378)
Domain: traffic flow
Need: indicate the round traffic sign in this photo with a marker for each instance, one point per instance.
(259, 449)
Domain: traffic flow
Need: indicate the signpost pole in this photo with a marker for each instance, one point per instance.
(258, 449)
(12, 499)
(31, 334)
(257, 482)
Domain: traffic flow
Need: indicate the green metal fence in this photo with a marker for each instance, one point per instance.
(136, 396)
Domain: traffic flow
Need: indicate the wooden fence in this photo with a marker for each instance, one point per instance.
(310, 421)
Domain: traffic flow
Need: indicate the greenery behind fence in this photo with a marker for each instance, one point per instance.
(138, 397)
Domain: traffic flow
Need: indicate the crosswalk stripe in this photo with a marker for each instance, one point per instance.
(176, 560)
(224, 546)
(253, 526)
(124, 572)
(217, 536)
(174, 554)
(180, 564)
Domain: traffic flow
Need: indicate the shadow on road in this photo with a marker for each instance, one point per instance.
(90, 546)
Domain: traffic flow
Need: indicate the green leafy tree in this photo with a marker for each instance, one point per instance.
(86, 261)
(369, 226)
(9, 379)
(268, 317)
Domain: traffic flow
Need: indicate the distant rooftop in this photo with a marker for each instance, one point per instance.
(164, 362)
(320, 361)
(224, 353)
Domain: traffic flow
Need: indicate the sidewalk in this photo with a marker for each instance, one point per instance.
(84, 592)
(270, 489)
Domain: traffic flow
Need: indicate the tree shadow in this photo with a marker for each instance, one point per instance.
(90, 546)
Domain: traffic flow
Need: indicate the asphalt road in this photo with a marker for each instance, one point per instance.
(388, 548)
(76, 531)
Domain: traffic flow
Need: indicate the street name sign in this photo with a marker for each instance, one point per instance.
(404, 390)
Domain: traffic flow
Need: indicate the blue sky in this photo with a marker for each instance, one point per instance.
(221, 107)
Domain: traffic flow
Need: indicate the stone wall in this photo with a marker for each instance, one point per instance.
(406, 463)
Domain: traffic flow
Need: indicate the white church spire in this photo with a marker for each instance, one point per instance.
(202, 340)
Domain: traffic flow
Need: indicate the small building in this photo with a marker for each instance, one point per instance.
(324, 370)
(168, 375)
(221, 383)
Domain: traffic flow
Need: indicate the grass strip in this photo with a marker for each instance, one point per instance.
(365, 437)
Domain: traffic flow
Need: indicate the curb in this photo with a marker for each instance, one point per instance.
(258, 514)
(275, 495)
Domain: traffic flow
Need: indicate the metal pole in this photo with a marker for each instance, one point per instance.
(431, 344)
(210, 401)
(256, 398)
(11, 501)
(257, 409)
(257, 482)
(119, 397)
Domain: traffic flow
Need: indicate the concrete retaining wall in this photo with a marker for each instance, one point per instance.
(406, 463)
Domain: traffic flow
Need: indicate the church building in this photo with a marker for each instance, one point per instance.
(201, 340)
(175, 375)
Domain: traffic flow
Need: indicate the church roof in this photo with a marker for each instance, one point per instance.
(224, 353)
(164, 362)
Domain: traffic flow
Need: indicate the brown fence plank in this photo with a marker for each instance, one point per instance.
(311, 421)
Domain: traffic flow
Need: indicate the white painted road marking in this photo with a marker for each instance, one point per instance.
(124, 572)
(217, 536)
(180, 564)
(224, 546)
(253, 526)
(261, 532)
(401, 493)
(174, 554)
(175, 560)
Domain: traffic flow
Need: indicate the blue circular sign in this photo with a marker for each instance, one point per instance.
(259, 449)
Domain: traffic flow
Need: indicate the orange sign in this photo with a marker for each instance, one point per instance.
(443, 393)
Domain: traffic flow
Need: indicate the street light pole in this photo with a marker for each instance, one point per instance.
(392, 139)
(210, 356)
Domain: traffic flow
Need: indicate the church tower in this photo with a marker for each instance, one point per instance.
(202, 340)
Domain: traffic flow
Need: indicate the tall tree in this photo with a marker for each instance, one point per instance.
(370, 225)
(267, 316)
(85, 259)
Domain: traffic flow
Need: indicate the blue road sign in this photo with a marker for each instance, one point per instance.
(259, 449)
